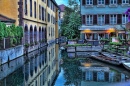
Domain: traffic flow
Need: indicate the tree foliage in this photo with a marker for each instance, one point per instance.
(72, 21)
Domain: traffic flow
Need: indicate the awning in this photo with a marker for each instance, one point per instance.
(97, 28)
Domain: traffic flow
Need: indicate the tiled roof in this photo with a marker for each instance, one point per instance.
(6, 19)
(62, 7)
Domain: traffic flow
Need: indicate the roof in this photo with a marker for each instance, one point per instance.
(55, 3)
(6, 19)
(62, 7)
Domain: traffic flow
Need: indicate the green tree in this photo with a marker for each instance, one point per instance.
(72, 21)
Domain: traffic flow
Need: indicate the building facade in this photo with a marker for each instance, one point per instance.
(62, 10)
(37, 17)
(100, 18)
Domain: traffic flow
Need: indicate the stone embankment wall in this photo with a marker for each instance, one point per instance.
(10, 54)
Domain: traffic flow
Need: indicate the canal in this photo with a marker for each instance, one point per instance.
(44, 67)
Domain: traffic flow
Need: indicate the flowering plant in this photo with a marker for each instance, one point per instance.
(128, 13)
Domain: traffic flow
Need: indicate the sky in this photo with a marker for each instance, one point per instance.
(65, 2)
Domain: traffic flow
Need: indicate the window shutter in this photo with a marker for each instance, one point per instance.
(119, 19)
(83, 2)
(95, 19)
(107, 19)
(119, 1)
(107, 2)
(94, 2)
(83, 19)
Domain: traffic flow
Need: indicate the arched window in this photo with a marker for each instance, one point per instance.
(35, 34)
(26, 34)
(42, 33)
(31, 34)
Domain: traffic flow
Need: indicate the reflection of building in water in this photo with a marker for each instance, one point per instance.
(34, 67)
(44, 71)
(40, 69)
(101, 74)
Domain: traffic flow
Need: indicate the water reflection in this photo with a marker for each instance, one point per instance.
(38, 68)
(87, 72)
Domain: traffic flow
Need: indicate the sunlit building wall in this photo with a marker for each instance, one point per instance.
(37, 17)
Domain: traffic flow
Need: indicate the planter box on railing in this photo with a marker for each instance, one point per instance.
(6, 43)
(1, 44)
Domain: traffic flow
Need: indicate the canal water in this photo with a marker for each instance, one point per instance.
(50, 66)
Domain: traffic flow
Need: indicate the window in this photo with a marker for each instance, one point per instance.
(48, 3)
(48, 17)
(89, 20)
(31, 8)
(43, 13)
(39, 11)
(89, 2)
(101, 2)
(49, 31)
(101, 19)
(125, 1)
(25, 7)
(35, 9)
(53, 35)
(124, 19)
(52, 7)
(51, 18)
(113, 1)
(113, 19)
